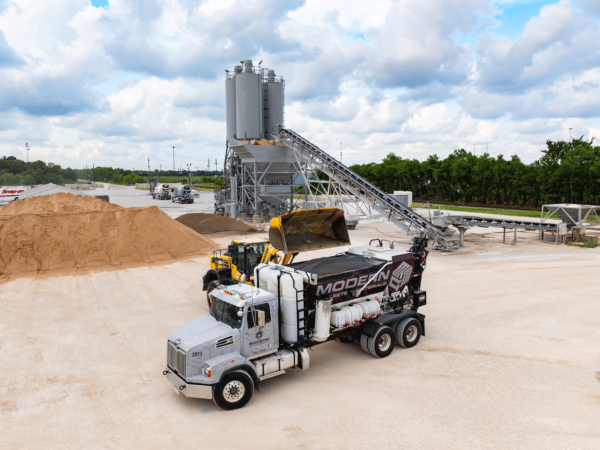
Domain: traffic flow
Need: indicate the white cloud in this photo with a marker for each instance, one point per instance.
(115, 86)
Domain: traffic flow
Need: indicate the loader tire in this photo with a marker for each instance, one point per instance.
(408, 332)
(234, 391)
(213, 284)
(382, 344)
(192, 201)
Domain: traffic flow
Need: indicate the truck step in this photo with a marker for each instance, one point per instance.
(271, 375)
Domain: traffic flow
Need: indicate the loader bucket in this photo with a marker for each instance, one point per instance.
(309, 229)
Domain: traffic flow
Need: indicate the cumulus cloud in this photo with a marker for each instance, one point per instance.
(120, 84)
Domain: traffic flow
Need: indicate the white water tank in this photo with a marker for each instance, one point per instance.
(370, 308)
(322, 320)
(292, 299)
(347, 315)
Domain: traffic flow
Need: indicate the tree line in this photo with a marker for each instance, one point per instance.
(15, 172)
(567, 172)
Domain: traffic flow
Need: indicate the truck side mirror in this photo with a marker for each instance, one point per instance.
(261, 319)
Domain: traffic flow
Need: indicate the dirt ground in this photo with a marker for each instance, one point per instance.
(511, 359)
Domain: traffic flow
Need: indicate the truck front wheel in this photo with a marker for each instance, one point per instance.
(382, 343)
(234, 391)
(408, 332)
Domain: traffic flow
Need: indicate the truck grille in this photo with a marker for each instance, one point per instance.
(176, 359)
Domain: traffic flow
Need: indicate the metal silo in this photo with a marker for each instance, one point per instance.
(275, 100)
(248, 99)
(261, 174)
(230, 106)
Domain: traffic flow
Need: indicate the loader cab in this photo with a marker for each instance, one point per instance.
(245, 256)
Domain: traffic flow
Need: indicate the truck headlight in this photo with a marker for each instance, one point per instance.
(207, 371)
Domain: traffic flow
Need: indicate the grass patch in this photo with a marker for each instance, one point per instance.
(582, 244)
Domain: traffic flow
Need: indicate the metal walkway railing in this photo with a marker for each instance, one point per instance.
(390, 208)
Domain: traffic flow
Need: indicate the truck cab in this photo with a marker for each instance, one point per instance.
(223, 355)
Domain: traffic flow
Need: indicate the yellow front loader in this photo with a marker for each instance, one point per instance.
(290, 234)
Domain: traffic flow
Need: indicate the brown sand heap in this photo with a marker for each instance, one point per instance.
(57, 203)
(102, 235)
(213, 223)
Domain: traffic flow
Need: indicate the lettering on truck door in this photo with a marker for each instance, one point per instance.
(255, 340)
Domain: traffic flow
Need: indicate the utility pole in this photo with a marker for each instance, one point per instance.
(216, 165)
(570, 133)
(93, 176)
(173, 158)
(27, 151)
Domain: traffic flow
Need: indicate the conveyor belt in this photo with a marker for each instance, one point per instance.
(391, 209)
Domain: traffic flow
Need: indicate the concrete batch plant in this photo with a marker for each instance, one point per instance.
(261, 170)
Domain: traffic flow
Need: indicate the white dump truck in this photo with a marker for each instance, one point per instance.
(368, 295)
(161, 192)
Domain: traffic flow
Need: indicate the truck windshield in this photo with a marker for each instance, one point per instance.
(225, 312)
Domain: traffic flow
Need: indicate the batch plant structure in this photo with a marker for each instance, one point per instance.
(270, 170)
(261, 171)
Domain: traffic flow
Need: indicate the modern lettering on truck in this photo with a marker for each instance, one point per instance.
(352, 283)
(395, 277)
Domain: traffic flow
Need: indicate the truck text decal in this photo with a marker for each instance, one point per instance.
(350, 283)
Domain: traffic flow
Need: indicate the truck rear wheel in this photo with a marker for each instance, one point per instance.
(382, 343)
(408, 332)
(364, 343)
(234, 391)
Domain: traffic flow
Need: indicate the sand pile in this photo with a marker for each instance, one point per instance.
(213, 223)
(55, 203)
(30, 242)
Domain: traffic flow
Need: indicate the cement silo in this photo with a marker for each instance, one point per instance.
(248, 103)
(274, 101)
(261, 170)
(230, 102)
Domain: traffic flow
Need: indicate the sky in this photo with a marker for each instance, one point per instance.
(115, 82)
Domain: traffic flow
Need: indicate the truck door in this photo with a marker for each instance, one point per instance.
(256, 341)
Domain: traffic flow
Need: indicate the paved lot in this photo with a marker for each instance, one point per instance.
(511, 360)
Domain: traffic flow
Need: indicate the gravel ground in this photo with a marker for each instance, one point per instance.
(511, 360)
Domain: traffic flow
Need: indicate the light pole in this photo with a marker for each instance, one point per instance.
(173, 158)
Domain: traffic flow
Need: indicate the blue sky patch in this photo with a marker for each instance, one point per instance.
(100, 3)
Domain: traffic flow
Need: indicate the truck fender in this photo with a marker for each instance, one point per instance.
(215, 274)
(223, 364)
(391, 320)
(250, 369)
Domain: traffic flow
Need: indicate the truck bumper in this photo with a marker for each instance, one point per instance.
(189, 390)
